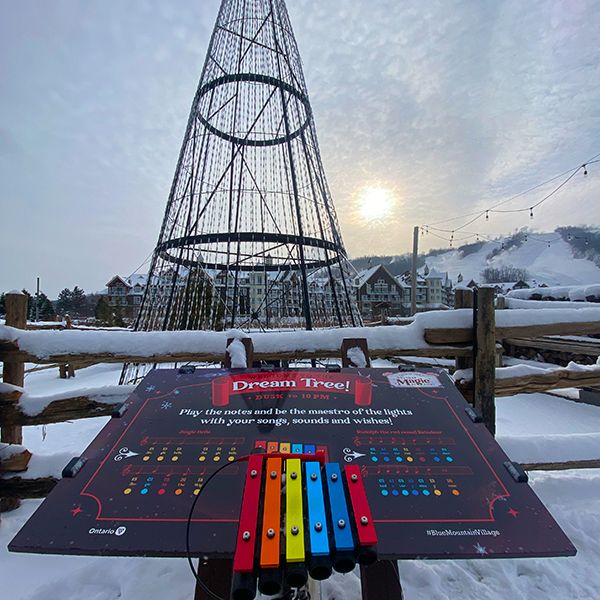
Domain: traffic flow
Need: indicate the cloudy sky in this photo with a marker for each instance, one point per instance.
(448, 106)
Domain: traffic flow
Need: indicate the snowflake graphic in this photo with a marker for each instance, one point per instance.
(150, 388)
(166, 405)
(480, 549)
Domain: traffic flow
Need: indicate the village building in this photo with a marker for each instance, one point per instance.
(379, 293)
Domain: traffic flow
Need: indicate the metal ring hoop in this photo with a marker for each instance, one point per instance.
(255, 78)
(278, 238)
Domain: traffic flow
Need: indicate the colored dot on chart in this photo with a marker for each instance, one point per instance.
(174, 458)
(422, 458)
(202, 458)
(146, 457)
(178, 492)
(127, 491)
(436, 458)
(449, 458)
(217, 458)
(395, 492)
(455, 492)
(161, 491)
(161, 458)
(230, 458)
(384, 492)
(196, 491)
(415, 492)
(405, 492)
(425, 492)
(374, 458)
(144, 491)
(386, 458)
(437, 492)
(399, 458)
(409, 458)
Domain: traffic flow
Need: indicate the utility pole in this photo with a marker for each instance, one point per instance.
(37, 301)
(413, 277)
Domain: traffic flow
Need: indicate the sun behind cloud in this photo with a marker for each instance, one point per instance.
(375, 204)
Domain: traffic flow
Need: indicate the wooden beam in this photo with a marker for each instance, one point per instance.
(540, 382)
(19, 487)
(590, 348)
(216, 574)
(381, 581)
(15, 462)
(449, 335)
(10, 397)
(65, 409)
(10, 350)
(562, 466)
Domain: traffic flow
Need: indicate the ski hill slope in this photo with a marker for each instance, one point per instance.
(552, 265)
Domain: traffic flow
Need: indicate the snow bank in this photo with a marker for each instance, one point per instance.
(551, 448)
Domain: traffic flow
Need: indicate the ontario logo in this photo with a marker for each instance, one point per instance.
(110, 531)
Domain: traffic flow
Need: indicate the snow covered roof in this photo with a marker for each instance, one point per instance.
(363, 276)
(433, 274)
(116, 280)
(137, 279)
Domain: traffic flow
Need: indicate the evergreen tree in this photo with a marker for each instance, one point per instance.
(103, 312)
(41, 307)
(77, 301)
(63, 303)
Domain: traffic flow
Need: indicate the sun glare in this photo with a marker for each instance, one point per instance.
(375, 204)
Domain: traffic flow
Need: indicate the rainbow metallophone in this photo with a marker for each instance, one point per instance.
(300, 515)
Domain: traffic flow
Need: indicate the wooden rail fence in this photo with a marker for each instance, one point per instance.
(473, 344)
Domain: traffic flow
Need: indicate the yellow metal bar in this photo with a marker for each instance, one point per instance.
(294, 521)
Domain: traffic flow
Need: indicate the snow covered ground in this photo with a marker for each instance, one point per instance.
(554, 265)
(530, 427)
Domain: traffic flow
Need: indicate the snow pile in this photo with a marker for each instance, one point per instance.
(237, 354)
(590, 293)
(357, 357)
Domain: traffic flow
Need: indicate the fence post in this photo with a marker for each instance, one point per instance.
(484, 347)
(14, 372)
(463, 298)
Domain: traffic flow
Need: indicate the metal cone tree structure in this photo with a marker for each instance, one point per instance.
(250, 237)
